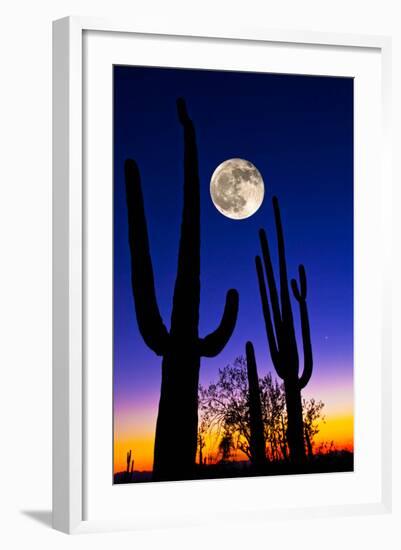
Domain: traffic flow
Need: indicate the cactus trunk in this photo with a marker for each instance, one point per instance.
(295, 426)
(257, 437)
(177, 419)
(279, 322)
(181, 347)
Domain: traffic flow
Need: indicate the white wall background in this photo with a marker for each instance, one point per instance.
(25, 272)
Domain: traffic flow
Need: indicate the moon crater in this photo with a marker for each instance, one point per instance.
(237, 188)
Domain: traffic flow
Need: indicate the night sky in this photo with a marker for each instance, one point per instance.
(298, 132)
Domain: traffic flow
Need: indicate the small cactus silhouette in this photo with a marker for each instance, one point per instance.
(257, 438)
(129, 472)
(129, 453)
(281, 333)
(180, 347)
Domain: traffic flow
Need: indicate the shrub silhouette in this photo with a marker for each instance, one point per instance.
(181, 347)
(225, 448)
(281, 336)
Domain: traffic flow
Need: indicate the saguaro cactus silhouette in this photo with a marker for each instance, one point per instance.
(181, 347)
(130, 466)
(281, 337)
(129, 454)
(257, 438)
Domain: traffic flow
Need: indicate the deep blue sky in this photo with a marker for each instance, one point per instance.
(298, 131)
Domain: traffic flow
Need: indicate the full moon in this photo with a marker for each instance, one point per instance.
(237, 189)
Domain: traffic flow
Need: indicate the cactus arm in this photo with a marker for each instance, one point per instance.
(308, 357)
(149, 320)
(213, 344)
(268, 320)
(300, 296)
(289, 347)
(284, 292)
(270, 280)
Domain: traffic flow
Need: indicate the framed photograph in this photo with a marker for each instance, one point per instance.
(221, 245)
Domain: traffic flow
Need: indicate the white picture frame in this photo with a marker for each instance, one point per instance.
(71, 419)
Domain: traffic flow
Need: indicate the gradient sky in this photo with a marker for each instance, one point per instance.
(298, 132)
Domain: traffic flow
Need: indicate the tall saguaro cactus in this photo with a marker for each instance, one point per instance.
(281, 333)
(257, 438)
(180, 347)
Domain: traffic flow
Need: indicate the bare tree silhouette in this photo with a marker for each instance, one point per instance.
(181, 347)
(274, 417)
(225, 447)
(224, 405)
(312, 417)
(202, 430)
(225, 410)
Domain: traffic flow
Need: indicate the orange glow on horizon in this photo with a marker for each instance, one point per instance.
(338, 428)
(142, 452)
